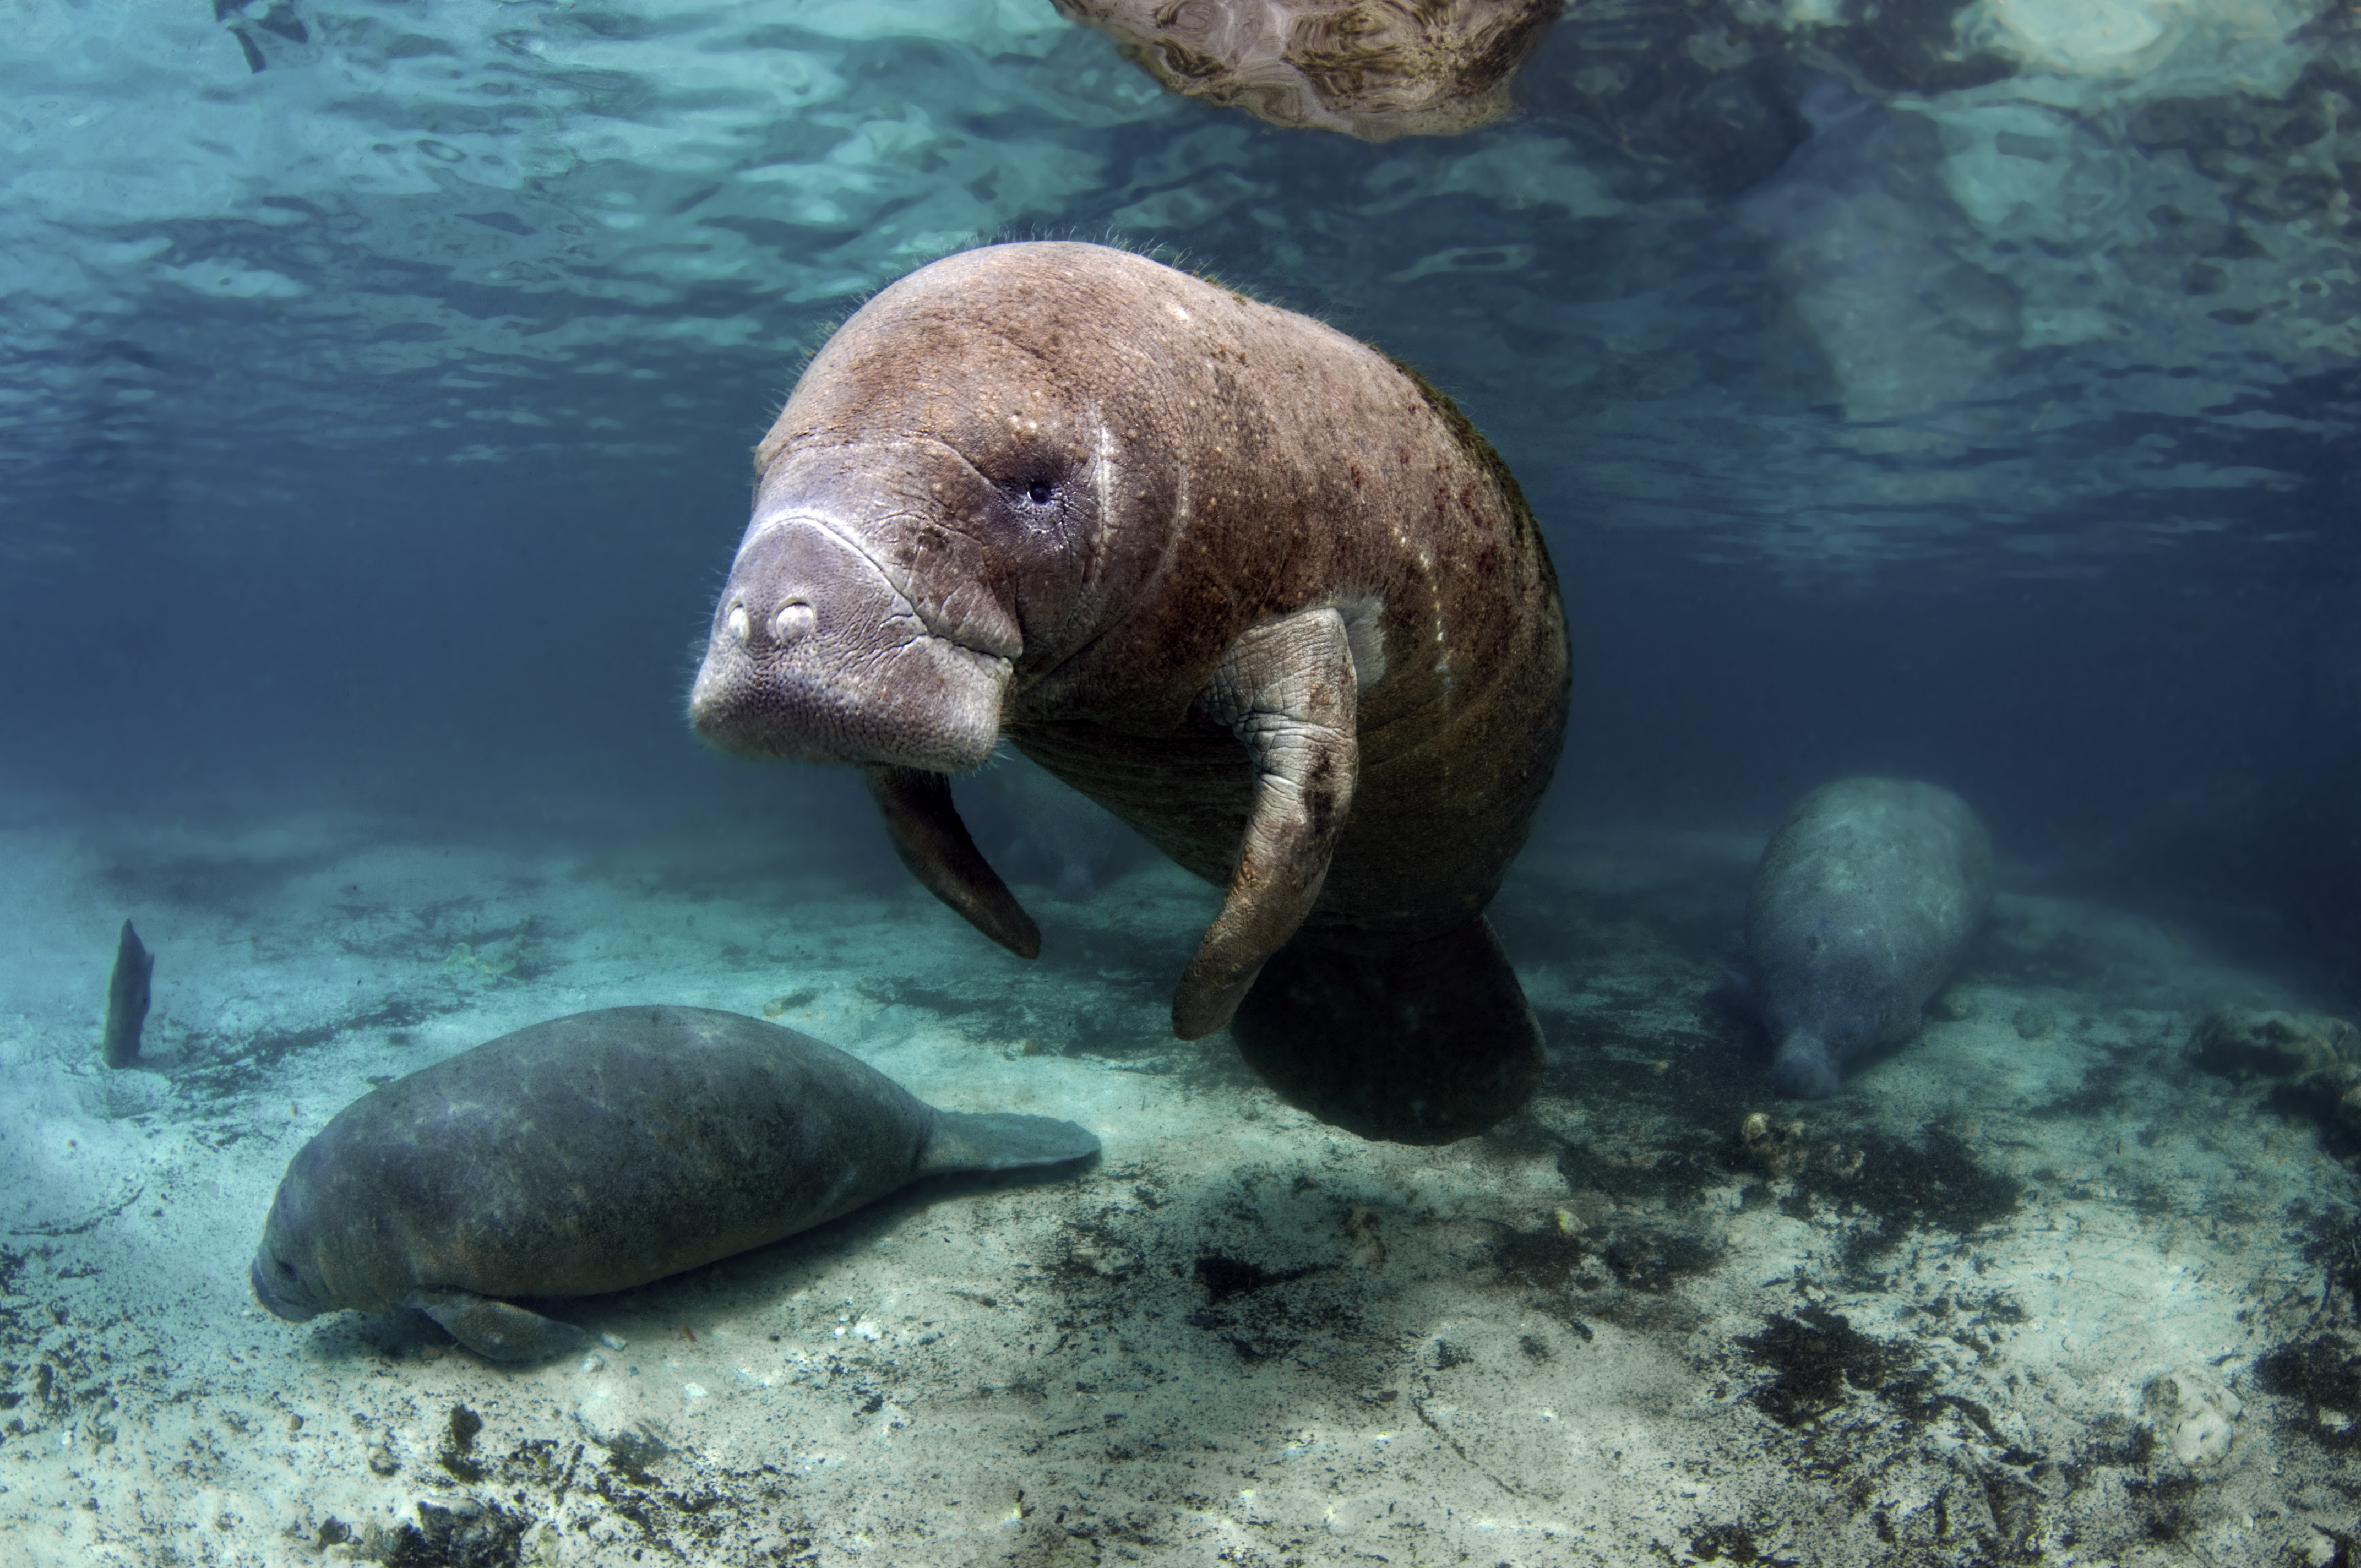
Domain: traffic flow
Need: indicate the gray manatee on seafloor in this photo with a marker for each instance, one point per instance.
(1862, 905)
(596, 1152)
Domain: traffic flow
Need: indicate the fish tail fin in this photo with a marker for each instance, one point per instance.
(1427, 1043)
(1001, 1140)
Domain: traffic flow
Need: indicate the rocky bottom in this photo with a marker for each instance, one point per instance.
(2059, 1281)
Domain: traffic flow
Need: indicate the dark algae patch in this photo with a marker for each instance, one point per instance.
(1656, 1261)
(1935, 1181)
(1732, 1543)
(1814, 1356)
(1544, 1258)
(460, 1441)
(470, 1536)
(2323, 1374)
(1674, 1175)
(1223, 1277)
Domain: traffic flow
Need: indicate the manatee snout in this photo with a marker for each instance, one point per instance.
(778, 584)
(816, 654)
(271, 1279)
(277, 1274)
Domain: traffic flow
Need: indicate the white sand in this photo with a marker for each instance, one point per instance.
(1240, 1337)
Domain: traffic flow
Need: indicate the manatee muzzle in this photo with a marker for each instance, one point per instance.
(267, 1291)
(818, 654)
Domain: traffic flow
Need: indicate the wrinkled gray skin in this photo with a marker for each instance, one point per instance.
(1861, 907)
(1249, 584)
(596, 1152)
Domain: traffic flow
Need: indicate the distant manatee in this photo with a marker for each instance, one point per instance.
(1862, 905)
(597, 1152)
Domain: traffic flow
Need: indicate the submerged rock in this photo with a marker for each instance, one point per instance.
(2194, 1416)
(2313, 1062)
(2248, 1042)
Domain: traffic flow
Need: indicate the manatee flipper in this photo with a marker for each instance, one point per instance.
(1287, 692)
(1002, 1140)
(496, 1330)
(934, 844)
(1425, 1044)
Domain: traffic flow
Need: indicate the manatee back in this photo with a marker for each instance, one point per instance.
(1861, 907)
(592, 1153)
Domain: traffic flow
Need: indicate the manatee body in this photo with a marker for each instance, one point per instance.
(1255, 589)
(596, 1152)
(1860, 910)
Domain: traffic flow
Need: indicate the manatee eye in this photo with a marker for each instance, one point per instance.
(283, 1267)
(1035, 499)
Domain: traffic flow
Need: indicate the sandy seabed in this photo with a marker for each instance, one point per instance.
(2034, 1287)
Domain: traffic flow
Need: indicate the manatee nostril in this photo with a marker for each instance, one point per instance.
(740, 627)
(793, 620)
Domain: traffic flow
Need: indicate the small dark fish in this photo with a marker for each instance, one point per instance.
(127, 1000)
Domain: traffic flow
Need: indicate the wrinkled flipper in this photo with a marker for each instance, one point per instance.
(1421, 1045)
(1286, 691)
(934, 843)
(1002, 1140)
(495, 1330)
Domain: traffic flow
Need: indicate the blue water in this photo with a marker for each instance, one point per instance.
(1964, 393)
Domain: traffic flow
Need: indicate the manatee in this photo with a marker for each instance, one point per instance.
(596, 1152)
(1861, 907)
(1374, 69)
(1253, 587)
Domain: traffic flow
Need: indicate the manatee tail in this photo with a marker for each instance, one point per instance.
(1426, 1043)
(1000, 1140)
(1804, 1068)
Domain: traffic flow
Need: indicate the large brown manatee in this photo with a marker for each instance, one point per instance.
(1260, 591)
